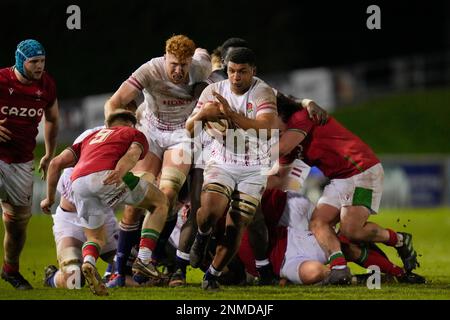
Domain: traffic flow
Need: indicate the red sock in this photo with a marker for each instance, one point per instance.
(374, 258)
(148, 243)
(91, 249)
(10, 268)
(393, 239)
(337, 259)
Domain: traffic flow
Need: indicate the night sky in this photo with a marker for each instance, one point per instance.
(116, 37)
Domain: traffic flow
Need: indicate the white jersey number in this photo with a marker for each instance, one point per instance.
(101, 136)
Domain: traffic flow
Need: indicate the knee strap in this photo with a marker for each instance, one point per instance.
(172, 178)
(244, 204)
(69, 256)
(218, 188)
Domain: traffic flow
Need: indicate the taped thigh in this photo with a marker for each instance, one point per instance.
(69, 256)
(244, 204)
(218, 188)
(147, 176)
(172, 178)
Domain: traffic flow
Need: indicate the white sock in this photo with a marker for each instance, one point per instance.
(400, 240)
(262, 263)
(89, 259)
(145, 254)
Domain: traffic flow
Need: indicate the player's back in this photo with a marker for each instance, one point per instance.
(101, 150)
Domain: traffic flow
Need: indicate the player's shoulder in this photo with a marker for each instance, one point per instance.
(5, 75)
(261, 86)
(153, 65)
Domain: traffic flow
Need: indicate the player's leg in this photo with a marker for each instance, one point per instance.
(155, 201)
(324, 218)
(259, 241)
(173, 176)
(130, 224)
(322, 223)
(243, 208)
(214, 203)
(68, 276)
(365, 190)
(95, 240)
(188, 230)
(15, 221)
(16, 189)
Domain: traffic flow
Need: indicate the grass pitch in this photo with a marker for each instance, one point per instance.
(430, 228)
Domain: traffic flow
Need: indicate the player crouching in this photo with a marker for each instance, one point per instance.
(101, 180)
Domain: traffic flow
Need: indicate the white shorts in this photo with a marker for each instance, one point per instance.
(301, 246)
(161, 140)
(68, 225)
(92, 198)
(247, 180)
(16, 183)
(297, 212)
(201, 150)
(364, 189)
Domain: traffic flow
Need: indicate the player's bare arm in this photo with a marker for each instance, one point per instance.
(121, 98)
(289, 140)
(5, 134)
(264, 121)
(50, 132)
(210, 111)
(125, 164)
(64, 160)
(315, 112)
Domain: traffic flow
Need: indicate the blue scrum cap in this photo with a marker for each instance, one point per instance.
(27, 49)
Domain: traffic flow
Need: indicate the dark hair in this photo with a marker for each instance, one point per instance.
(123, 115)
(286, 107)
(232, 43)
(242, 55)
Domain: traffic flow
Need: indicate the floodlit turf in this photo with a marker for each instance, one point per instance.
(430, 227)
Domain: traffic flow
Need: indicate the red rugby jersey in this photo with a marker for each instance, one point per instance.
(23, 106)
(335, 150)
(102, 149)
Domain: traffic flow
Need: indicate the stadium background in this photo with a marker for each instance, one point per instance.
(390, 86)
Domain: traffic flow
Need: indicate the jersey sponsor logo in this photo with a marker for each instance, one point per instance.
(21, 111)
(176, 102)
(11, 90)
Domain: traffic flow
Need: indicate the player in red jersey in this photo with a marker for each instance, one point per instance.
(294, 252)
(26, 93)
(101, 179)
(354, 191)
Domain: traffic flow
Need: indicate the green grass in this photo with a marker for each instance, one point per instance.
(414, 122)
(431, 229)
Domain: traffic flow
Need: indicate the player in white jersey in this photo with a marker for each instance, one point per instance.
(232, 176)
(69, 235)
(168, 85)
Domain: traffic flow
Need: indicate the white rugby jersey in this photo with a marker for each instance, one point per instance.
(168, 105)
(246, 149)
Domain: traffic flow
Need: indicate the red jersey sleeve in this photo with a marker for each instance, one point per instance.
(76, 149)
(141, 140)
(300, 122)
